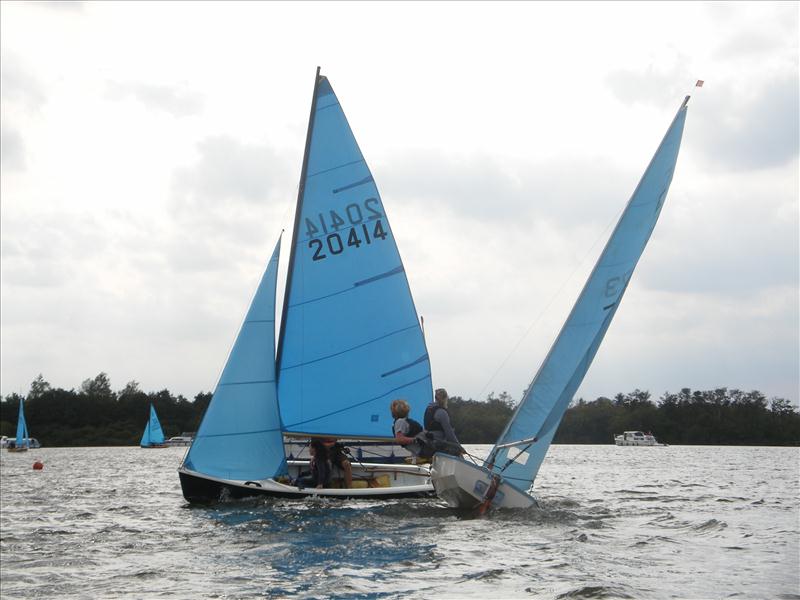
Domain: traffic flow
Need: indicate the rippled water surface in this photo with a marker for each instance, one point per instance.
(675, 522)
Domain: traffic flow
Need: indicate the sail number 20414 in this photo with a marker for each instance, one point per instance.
(353, 232)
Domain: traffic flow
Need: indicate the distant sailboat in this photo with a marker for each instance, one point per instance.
(350, 341)
(153, 436)
(23, 441)
(508, 473)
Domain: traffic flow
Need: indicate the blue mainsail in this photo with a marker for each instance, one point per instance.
(153, 435)
(350, 338)
(240, 435)
(536, 419)
(22, 427)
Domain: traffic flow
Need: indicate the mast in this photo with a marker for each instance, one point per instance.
(300, 193)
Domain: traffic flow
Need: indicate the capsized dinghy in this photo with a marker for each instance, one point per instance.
(506, 476)
(349, 342)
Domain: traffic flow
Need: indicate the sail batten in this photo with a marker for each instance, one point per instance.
(367, 179)
(341, 166)
(395, 271)
(547, 398)
(245, 382)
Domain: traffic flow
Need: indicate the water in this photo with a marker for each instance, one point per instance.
(676, 522)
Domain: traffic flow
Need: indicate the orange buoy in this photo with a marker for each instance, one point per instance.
(38, 465)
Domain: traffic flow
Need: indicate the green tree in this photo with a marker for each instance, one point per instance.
(38, 387)
(100, 387)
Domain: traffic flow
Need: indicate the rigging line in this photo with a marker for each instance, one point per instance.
(580, 263)
(475, 459)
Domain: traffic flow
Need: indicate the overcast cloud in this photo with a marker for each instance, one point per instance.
(144, 185)
(175, 101)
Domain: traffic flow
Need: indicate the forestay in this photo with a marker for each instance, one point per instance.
(240, 436)
(350, 341)
(562, 371)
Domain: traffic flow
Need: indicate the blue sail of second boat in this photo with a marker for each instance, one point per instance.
(153, 434)
(522, 446)
(22, 427)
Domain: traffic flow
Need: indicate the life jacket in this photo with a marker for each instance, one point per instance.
(413, 427)
(431, 424)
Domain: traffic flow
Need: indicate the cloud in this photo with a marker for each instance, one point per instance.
(569, 193)
(62, 6)
(229, 172)
(12, 149)
(235, 191)
(51, 252)
(18, 86)
(748, 45)
(653, 87)
(177, 102)
(753, 128)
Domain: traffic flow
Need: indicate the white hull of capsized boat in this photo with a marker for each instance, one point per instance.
(403, 481)
(465, 485)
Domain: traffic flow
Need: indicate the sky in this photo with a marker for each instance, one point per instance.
(151, 154)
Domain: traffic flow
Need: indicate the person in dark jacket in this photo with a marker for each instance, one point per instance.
(438, 429)
(320, 467)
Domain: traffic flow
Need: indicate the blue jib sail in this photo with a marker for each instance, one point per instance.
(351, 341)
(153, 433)
(240, 436)
(562, 371)
(22, 427)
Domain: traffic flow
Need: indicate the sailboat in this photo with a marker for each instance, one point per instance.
(153, 436)
(23, 441)
(507, 474)
(349, 342)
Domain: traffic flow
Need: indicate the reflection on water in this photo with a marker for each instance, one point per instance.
(676, 522)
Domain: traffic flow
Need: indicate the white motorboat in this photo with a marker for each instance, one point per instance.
(636, 438)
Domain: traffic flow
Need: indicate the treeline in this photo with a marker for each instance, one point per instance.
(713, 417)
(95, 415)
(720, 416)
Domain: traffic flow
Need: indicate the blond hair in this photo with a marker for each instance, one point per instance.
(400, 408)
(441, 397)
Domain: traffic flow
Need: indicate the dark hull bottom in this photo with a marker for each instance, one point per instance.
(199, 490)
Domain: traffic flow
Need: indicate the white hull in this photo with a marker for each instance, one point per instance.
(10, 443)
(629, 443)
(636, 438)
(370, 481)
(464, 485)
